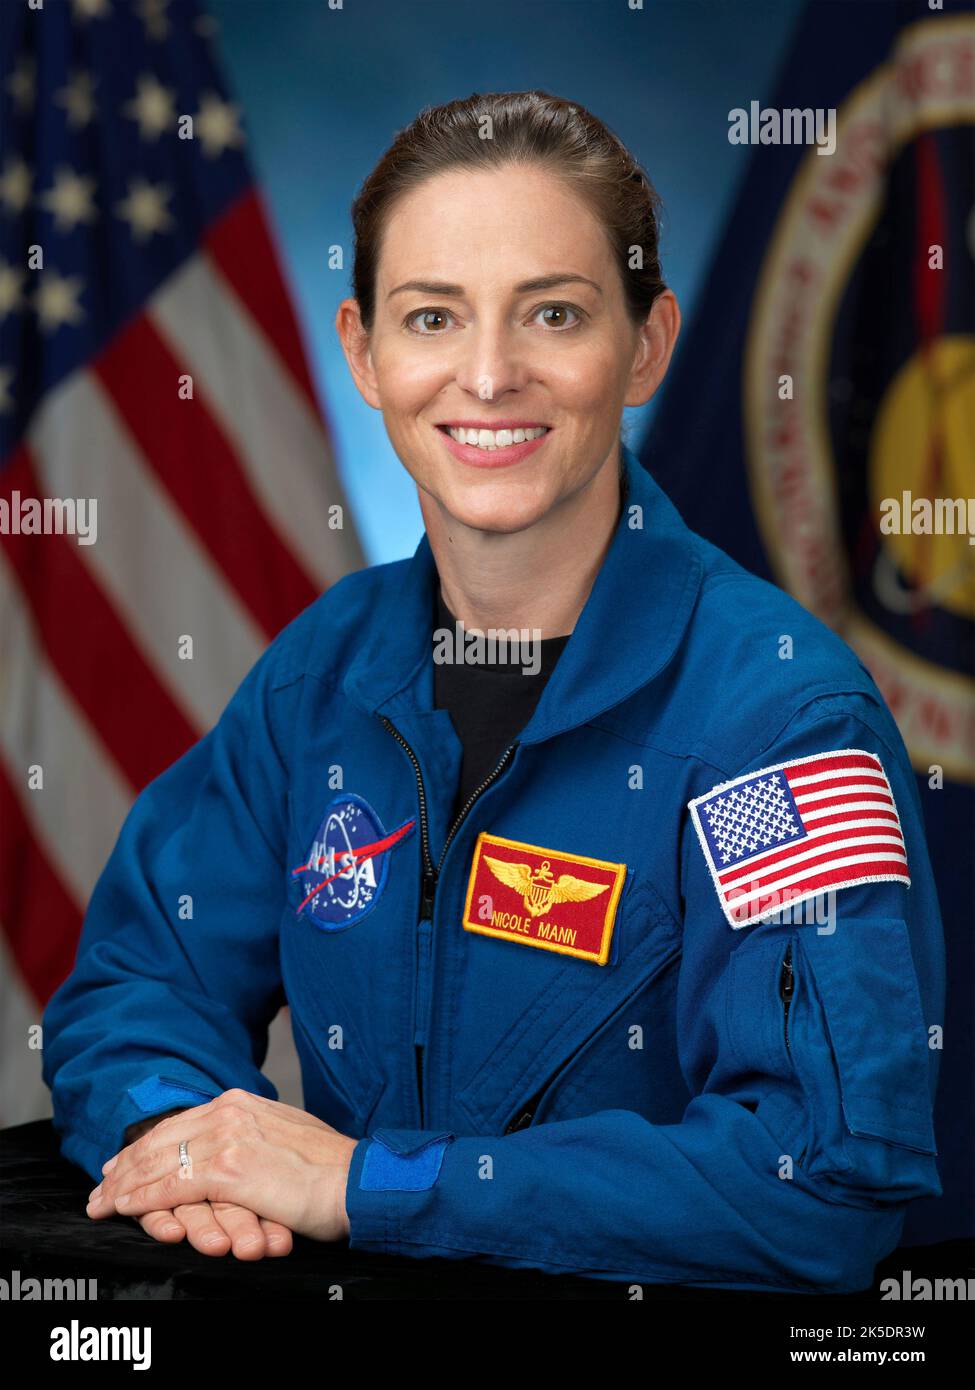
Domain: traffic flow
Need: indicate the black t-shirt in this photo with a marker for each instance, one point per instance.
(489, 703)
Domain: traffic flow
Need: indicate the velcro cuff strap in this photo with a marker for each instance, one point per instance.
(403, 1161)
(159, 1093)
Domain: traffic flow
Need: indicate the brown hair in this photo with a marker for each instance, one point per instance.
(526, 127)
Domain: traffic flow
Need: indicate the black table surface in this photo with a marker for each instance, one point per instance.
(45, 1233)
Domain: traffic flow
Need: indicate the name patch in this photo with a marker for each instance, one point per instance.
(543, 897)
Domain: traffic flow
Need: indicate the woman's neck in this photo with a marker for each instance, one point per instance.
(539, 578)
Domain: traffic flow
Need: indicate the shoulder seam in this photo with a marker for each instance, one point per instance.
(692, 755)
(829, 714)
(284, 680)
(715, 578)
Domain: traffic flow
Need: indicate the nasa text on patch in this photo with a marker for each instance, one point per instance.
(345, 870)
(784, 833)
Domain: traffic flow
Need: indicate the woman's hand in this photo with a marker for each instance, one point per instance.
(277, 1162)
(215, 1228)
(211, 1228)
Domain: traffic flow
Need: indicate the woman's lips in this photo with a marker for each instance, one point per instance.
(491, 458)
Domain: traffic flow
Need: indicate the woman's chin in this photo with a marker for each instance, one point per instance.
(503, 504)
(504, 518)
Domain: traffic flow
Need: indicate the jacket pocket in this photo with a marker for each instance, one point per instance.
(545, 1042)
(352, 1093)
(324, 1023)
(858, 1042)
(758, 998)
(611, 1068)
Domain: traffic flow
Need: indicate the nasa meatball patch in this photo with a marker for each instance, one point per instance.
(786, 833)
(543, 897)
(346, 868)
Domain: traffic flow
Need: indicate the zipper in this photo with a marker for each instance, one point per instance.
(431, 875)
(786, 987)
(527, 1113)
(787, 984)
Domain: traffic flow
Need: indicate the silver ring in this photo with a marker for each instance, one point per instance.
(184, 1158)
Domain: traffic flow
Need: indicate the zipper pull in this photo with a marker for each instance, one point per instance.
(526, 1115)
(522, 1122)
(786, 987)
(786, 982)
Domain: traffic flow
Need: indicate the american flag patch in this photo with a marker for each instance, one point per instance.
(785, 833)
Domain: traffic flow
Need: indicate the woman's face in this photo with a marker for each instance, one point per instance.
(466, 336)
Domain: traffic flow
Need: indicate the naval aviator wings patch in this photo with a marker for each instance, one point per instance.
(787, 832)
(549, 899)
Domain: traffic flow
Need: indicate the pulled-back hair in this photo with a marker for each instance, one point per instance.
(495, 129)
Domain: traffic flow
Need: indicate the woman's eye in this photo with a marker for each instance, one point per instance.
(426, 314)
(429, 322)
(563, 309)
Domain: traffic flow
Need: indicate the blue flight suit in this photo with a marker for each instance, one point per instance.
(739, 1107)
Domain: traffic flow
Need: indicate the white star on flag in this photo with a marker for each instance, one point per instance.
(56, 300)
(144, 208)
(70, 199)
(21, 85)
(153, 106)
(78, 99)
(90, 9)
(153, 15)
(15, 182)
(216, 124)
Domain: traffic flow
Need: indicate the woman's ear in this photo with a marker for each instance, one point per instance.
(655, 344)
(355, 344)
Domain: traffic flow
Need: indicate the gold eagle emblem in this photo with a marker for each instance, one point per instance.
(540, 890)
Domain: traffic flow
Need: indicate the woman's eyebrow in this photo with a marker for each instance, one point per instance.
(448, 291)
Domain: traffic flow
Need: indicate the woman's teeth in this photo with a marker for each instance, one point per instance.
(496, 439)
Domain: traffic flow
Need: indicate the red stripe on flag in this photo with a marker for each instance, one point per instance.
(40, 918)
(824, 765)
(237, 242)
(762, 875)
(90, 648)
(182, 442)
(871, 799)
(874, 781)
(888, 868)
(842, 817)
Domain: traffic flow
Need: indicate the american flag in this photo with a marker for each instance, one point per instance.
(151, 363)
(782, 834)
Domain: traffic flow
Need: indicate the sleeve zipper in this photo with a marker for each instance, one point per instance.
(786, 987)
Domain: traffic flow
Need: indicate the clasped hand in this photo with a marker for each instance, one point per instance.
(258, 1171)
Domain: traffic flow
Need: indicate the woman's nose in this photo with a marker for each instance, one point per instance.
(491, 362)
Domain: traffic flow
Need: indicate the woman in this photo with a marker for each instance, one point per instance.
(545, 926)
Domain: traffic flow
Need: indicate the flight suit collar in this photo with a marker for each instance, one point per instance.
(629, 629)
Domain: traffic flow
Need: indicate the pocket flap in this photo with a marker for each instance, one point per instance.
(864, 975)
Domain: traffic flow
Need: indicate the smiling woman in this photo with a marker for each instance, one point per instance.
(508, 305)
(552, 932)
